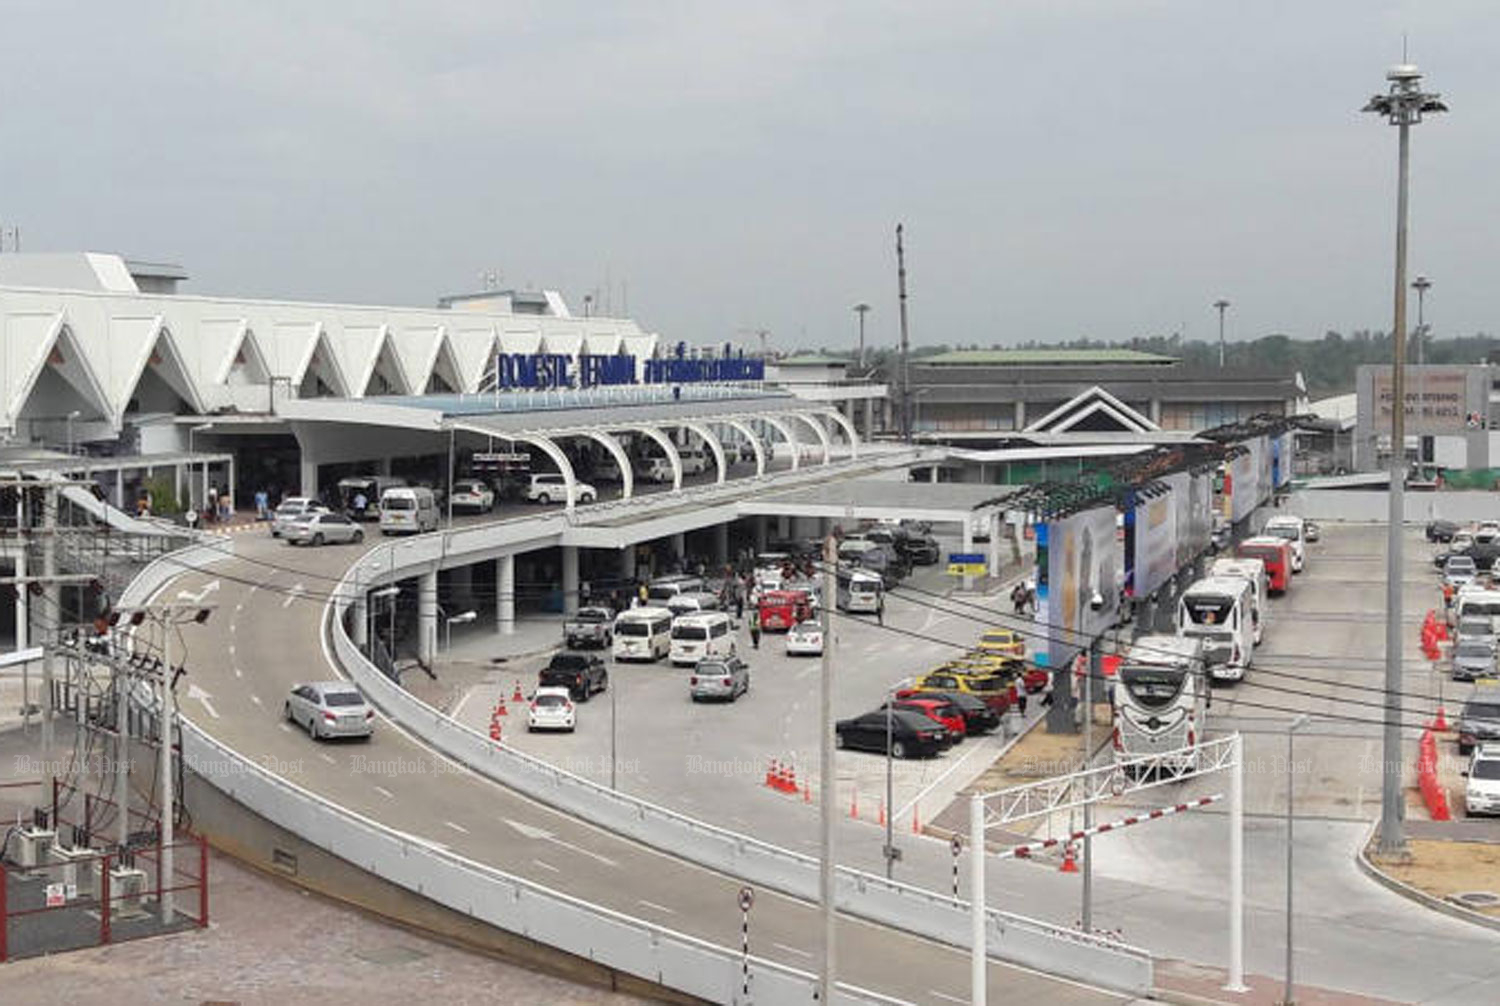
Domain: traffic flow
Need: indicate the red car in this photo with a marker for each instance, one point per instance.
(940, 710)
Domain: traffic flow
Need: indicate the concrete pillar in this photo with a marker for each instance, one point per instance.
(1020, 415)
(869, 419)
(570, 579)
(627, 563)
(309, 479)
(679, 545)
(120, 488)
(759, 522)
(996, 527)
(177, 481)
(361, 617)
(721, 544)
(427, 617)
(232, 486)
(783, 526)
(968, 549)
(1156, 411)
(932, 473)
(505, 594)
(383, 466)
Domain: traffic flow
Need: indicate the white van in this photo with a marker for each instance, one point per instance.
(698, 637)
(408, 510)
(692, 602)
(664, 588)
(1254, 572)
(694, 460)
(642, 634)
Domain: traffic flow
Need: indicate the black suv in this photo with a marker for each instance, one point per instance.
(582, 674)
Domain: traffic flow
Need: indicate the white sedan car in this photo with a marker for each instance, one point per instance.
(550, 487)
(805, 639)
(473, 496)
(330, 709)
(551, 709)
(320, 528)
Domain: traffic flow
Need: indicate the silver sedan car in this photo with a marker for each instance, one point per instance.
(330, 709)
(320, 528)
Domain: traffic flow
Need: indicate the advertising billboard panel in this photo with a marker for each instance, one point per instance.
(1077, 556)
(1438, 399)
(1241, 489)
(1155, 543)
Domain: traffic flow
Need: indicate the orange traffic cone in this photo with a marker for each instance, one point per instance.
(495, 731)
(880, 814)
(854, 805)
(500, 709)
(1070, 861)
(916, 825)
(791, 778)
(516, 696)
(806, 792)
(772, 774)
(1440, 721)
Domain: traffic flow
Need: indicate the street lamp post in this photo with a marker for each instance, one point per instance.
(192, 430)
(1287, 996)
(861, 309)
(1402, 106)
(462, 618)
(1222, 305)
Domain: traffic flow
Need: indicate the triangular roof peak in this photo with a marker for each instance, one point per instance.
(1097, 410)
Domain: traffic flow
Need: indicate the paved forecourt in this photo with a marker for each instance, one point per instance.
(266, 638)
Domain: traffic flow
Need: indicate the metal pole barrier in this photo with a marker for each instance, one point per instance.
(104, 899)
(890, 808)
(1236, 981)
(1088, 806)
(202, 882)
(978, 968)
(746, 899)
(613, 759)
(168, 797)
(4, 918)
(957, 845)
(828, 776)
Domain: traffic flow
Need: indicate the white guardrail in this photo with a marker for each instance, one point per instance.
(591, 932)
(1016, 939)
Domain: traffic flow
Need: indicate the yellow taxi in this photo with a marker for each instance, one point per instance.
(1006, 642)
(993, 690)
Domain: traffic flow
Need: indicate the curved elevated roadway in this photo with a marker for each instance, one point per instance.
(267, 636)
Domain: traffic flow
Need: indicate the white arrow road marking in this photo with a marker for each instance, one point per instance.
(292, 595)
(542, 834)
(385, 792)
(194, 692)
(197, 598)
(457, 827)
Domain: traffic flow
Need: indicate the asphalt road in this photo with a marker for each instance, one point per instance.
(265, 638)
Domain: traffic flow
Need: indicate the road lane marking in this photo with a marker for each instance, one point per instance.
(231, 649)
(256, 700)
(330, 759)
(945, 996)
(292, 595)
(194, 692)
(542, 834)
(546, 866)
(197, 598)
(652, 904)
(239, 673)
(285, 726)
(385, 792)
(792, 950)
(457, 827)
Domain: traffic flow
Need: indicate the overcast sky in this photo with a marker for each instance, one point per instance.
(1063, 167)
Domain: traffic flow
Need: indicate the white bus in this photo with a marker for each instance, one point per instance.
(1217, 609)
(1161, 699)
(701, 636)
(1252, 571)
(859, 590)
(642, 634)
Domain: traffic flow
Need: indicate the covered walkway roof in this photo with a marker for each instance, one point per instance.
(883, 498)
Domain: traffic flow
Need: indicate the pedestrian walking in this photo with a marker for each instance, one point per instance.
(361, 502)
(641, 595)
(213, 502)
(880, 610)
(755, 630)
(584, 593)
(739, 604)
(1021, 701)
(262, 504)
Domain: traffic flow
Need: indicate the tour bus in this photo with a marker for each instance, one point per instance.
(1161, 699)
(1217, 610)
(859, 590)
(779, 610)
(699, 637)
(1276, 554)
(642, 634)
(1253, 571)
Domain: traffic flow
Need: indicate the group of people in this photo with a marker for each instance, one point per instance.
(1023, 598)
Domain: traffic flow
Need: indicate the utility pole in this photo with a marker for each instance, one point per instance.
(1088, 807)
(827, 775)
(905, 401)
(1402, 106)
(861, 309)
(52, 594)
(1222, 305)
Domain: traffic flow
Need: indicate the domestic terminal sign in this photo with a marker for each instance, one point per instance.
(966, 564)
(544, 371)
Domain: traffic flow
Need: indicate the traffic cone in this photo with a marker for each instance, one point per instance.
(854, 805)
(500, 709)
(1070, 861)
(880, 814)
(791, 778)
(516, 696)
(916, 825)
(1442, 631)
(1440, 721)
(771, 773)
(806, 792)
(495, 731)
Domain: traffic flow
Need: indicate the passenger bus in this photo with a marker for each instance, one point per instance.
(859, 590)
(1476, 603)
(1216, 609)
(1161, 699)
(779, 610)
(1252, 571)
(1276, 554)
